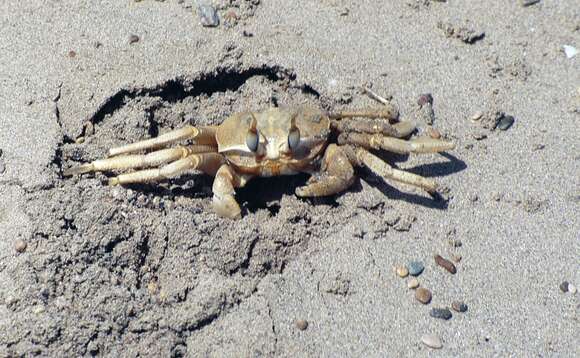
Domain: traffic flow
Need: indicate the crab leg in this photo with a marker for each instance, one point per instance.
(205, 162)
(381, 168)
(199, 135)
(389, 113)
(140, 160)
(224, 203)
(398, 130)
(377, 141)
(338, 175)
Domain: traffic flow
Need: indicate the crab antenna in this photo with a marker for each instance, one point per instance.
(253, 123)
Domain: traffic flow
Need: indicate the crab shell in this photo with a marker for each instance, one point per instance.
(273, 156)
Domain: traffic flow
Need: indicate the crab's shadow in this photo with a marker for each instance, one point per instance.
(266, 193)
(440, 169)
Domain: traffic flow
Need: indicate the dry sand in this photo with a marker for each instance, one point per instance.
(150, 271)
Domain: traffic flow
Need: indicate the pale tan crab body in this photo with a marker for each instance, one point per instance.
(277, 141)
(273, 156)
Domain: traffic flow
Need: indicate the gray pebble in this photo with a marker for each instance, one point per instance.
(207, 15)
(459, 306)
(431, 341)
(415, 268)
(564, 286)
(505, 122)
(442, 313)
(133, 39)
(529, 2)
(2, 167)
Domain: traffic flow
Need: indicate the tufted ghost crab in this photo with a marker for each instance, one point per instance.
(277, 141)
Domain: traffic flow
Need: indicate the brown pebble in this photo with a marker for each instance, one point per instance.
(446, 264)
(72, 54)
(20, 245)
(302, 324)
(459, 306)
(423, 295)
(424, 99)
(133, 39)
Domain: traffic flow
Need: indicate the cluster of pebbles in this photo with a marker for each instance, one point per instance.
(422, 294)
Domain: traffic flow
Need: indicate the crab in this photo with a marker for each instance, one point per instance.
(276, 141)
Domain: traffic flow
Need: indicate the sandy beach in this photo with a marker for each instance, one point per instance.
(150, 271)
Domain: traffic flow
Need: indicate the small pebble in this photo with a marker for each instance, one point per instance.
(431, 341)
(302, 324)
(459, 306)
(133, 39)
(20, 245)
(424, 99)
(570, 51)
(479, 136)
(538, 146)
(572, 289)
(415, 268)
(152, 287)
(72, 54)
(455, 243)
(529, 2)
(446, 264)
(423, 295)
(564, 286)
(433, 133)
(38, 309)
(441, 313)
(476, 116)
(402, 271)
(505, 123)
(89, 129)
(456, 258)
(2, 167)
(207, 15)
(413, 283)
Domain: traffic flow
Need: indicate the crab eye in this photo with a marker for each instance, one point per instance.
(294, 138)
(252, 140)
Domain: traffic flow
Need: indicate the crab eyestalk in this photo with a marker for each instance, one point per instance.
(253, 138)
(293, 134)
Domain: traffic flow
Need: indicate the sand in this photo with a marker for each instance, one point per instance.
(150, 271)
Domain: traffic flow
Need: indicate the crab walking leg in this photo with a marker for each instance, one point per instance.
(140, 160)
(205, 162)
(381, 168)
(200, 135)
(338, 175)
(398, 130)
(224, 203)
(389, 113)
(377, 141)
